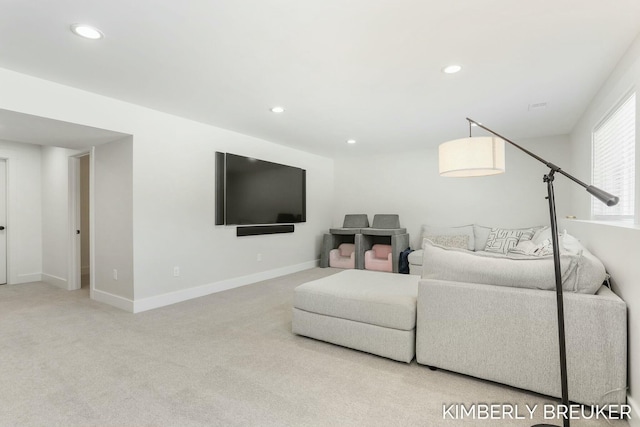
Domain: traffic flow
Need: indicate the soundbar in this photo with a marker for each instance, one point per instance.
(255, 230)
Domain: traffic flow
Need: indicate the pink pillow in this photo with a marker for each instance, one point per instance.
(346, 249)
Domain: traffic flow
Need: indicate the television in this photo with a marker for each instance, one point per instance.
(259, 192)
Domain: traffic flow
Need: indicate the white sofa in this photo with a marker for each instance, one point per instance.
(494, 316)
(466, 323)
(510, 336)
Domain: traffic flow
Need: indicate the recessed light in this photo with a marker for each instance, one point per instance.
(86, 31)
(351, 141)
(277, 110)
(451, 69)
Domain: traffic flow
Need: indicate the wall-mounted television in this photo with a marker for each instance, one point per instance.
(258, 192)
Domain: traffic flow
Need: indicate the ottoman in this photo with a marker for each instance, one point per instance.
(365, 310)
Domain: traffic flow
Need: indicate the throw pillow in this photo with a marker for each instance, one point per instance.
(458, 242)
(481, 234)
(541, 234)
(527, 234)
(530, 248)
(501, 240)
(466, 230)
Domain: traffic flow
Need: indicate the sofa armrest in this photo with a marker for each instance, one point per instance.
(510, 335)
(415, 257)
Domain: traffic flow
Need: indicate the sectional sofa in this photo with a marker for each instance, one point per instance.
(461, 316)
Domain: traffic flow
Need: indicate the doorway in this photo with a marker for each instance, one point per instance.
(3, 221)
(85, 250)
(80, 276)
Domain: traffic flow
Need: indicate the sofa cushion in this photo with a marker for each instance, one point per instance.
(581, 271)
(415, 257)
(381, 299)
(466, 230)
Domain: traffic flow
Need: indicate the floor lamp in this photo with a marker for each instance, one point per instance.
(481, 156)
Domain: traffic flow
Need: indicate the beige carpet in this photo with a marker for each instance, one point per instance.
(228, 359)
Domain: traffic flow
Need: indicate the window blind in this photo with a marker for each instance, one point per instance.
(614, 146)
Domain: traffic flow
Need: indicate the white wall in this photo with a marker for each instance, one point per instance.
(174, 210)
(173, 192)
(24, 226)
(618, 247)
(407, 183)
(113, 213)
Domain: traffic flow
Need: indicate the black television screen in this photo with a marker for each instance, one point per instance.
(261, 192)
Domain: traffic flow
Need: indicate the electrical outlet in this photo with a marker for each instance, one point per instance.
(259, 257)
(176, 271)
(115, 274)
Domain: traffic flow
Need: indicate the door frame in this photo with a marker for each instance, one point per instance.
(74, 265)
(7, 225)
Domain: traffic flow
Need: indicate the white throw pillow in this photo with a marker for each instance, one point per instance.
(466, 230)
(454, 241)
(481, 234)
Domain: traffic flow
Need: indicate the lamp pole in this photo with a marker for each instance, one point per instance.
(606, 198)
(548, 178)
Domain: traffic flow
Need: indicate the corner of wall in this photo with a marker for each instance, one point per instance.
(55, 281)
(113, 300)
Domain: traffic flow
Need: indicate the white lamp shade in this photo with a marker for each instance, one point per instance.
(477, 156)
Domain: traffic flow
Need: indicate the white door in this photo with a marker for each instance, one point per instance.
(3, 222)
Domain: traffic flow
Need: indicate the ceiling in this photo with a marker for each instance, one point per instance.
(30, 129)
(363, 69)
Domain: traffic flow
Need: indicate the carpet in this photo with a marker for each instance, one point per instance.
(227, 359)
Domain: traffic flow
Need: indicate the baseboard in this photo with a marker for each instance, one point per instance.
(55, 281)
(114, 300)
(150, 303)
(634, 419)
(27, 278)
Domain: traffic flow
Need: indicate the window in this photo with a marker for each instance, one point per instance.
(614, 158)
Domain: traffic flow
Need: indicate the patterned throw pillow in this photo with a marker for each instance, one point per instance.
(527, 234)
(501, 240)
(458, 242)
